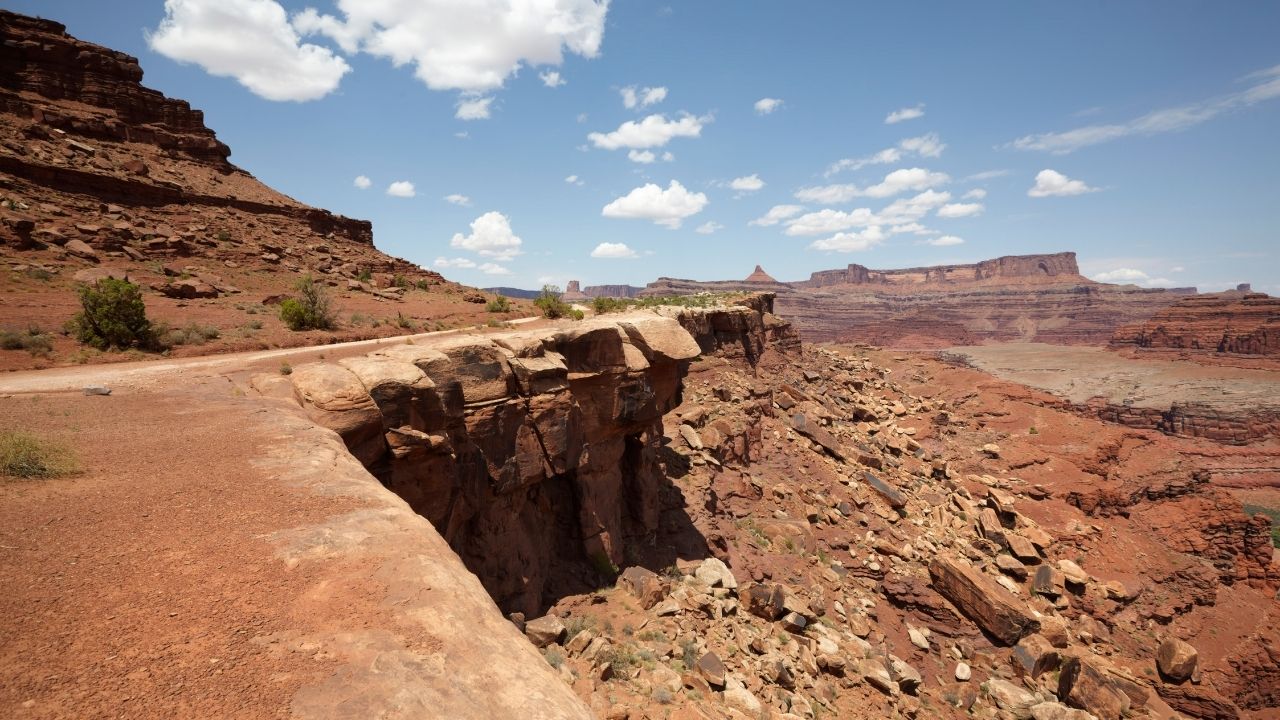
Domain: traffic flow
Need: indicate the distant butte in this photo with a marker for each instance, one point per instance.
(760, 276)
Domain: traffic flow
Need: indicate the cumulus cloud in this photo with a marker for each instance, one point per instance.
(614, 251)
(910, 113)
(642, 98)
(708, 228)
(444, 262)
(975, 194)
(909, 210)
(1133, 276)
(363, 182)
(896, 182)
(1051, 183)
(401, 188)
(777, 214)
(456, 199)
(491, 236)
(574, 180)
(494, 269)
(914, 228)
(829, 221)
(652, 131)
(473, 108)
(471, 47)
(960, 210)
(929, 145)
(987, 175)
(764, 106)
(251, 41)
(667, 208)
(945, 241)
(551, 78)
(644, 157)
(1264, 85)
(850, 241)
(747, 183)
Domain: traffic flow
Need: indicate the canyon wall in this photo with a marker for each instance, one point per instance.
(1057, 267)
(534, 453)
(1234, 323)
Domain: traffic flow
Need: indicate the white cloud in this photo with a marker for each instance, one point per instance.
(910, 113)
(667, 208)
(708, 228)
(909, 210)
(551, 78)
(777, 214)
(1050, 183)
(644, 157)
(850, 242)
(1177, 269)
(401, 188)
(668, 156)
(251, 41)
(456, 199)
(960, 210)
(747, 183)
(829, 221)
(471, 47)
(896, 182)
(494, 269)
(363, 182)
(574, 180)
(473, 108)
(975, 194)
(987, 175)
(652, 131)
(1265, 86)
(929, 145)
(945, 241)
(914, 228)
(1134, 276)
(490, 236)
(614, 251)
(642, 98)
(443, 262)
(764, 106)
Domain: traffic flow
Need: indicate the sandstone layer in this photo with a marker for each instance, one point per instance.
(1229, 323)
(1031, 297)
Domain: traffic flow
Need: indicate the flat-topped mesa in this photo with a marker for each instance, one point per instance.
(1235, 323)
(1016, 269)
(534, 453)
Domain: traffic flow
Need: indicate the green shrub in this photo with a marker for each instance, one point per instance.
(286, 369)
(192, 334)
(400, 281)
(27, 456)
(405, 323)
(423, 284)
(34, 341)
(311, 310)
(499, 304)
(366, 275)
(576, 314)
(550, 304)
(604, 305)
(113, 315)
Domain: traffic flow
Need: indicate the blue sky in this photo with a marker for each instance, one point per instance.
(1155, 121)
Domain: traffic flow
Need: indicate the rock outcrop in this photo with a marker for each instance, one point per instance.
(1232, 323)
(534, 453)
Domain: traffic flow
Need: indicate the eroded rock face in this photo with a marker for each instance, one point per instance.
(1228, 323)
(531, 451)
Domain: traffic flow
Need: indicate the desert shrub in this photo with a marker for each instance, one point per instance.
(311, 310)
(400, 281)
(554, 657)
(365, 275)
(405, 323)
(113, 315)
(39, 273)
(423, 284)
(223, 236)
(33, 340)
(576, 314)
(499, 304)
(286, 369)
(27, 456)
(191, 334)
(549, 302)
(604, 305)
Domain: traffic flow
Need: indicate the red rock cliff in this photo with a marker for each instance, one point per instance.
(1229, 322)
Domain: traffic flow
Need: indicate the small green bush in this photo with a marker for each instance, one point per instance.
(400, 281)
(113, 315)
(286, 369)
(499, 304)
(311, 310)
(192, 334)
(405, 323)
(365, 275)
(423, 284)
(604, 305)
(34, 341)
(27, 456)
(550, 304)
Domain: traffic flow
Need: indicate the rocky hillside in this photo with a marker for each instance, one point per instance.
(692, 516)
(100, 175)
(1030, 297)
(1229, 323)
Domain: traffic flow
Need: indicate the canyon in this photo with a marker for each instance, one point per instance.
(996, 490)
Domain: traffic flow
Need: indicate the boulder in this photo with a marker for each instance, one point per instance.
(715, 573)
(1176, 660)
(764, 601)
(810, 429)
(544, 630)
(1033, 656)
(644, 584)
(891, 494)
(335, 398)
(188, 289)
(1086, 686)
(1021, 548)
(712, 669)
(1009, 697)
(980, 599)
(81, 249)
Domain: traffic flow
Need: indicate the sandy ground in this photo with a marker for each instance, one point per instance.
(1081, 373)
